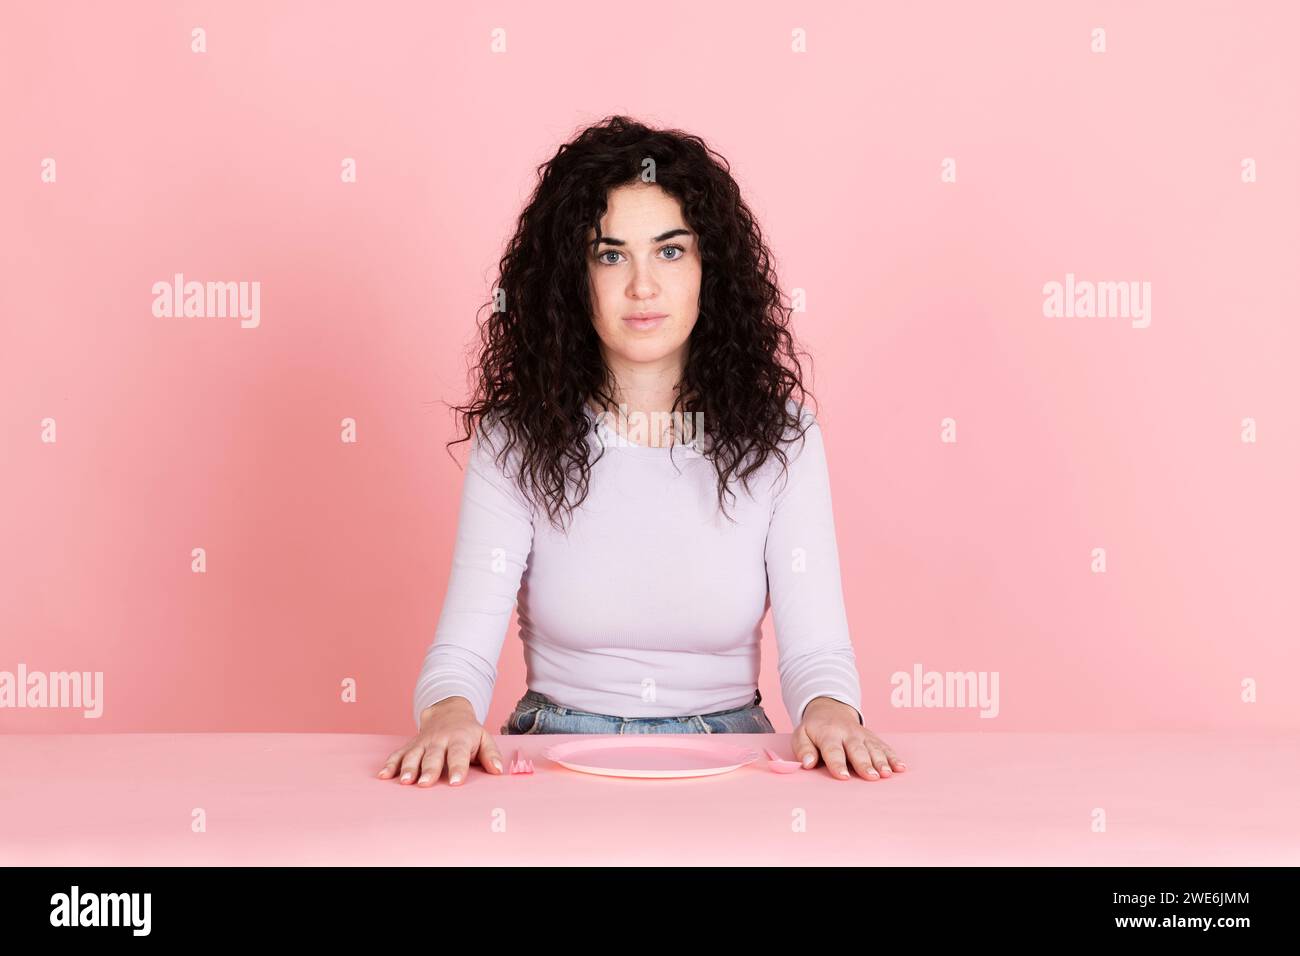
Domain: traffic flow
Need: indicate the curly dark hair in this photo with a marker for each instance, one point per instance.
(540, 359)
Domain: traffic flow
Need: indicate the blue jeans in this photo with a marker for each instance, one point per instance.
(538, 714)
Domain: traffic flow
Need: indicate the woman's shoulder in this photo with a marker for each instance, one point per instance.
(801, 450)
(805, 426)
(801, 411)
(493, 448)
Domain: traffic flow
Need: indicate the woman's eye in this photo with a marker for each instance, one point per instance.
(681, 251)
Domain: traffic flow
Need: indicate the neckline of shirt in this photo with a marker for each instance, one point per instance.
(608, 438)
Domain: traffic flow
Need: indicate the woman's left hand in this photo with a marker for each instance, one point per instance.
(830, 728)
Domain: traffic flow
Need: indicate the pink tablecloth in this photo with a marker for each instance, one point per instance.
(967, 798)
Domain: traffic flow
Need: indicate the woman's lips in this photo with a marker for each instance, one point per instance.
(644, 321)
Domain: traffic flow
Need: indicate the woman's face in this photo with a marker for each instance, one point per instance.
(647, 261)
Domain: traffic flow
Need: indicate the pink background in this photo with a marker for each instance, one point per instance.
(328, 561)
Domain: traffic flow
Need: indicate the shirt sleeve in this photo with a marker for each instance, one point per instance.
(815, 653)
(494, 538)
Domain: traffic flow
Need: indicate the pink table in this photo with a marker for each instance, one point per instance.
(967, 798)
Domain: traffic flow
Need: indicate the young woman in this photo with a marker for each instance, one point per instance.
(638, 287)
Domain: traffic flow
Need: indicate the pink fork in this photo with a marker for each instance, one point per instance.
(521, 764)
(780, 765)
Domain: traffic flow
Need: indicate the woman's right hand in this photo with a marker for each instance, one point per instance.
(451, 736)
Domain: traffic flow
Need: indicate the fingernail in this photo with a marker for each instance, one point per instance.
(424, 777)
(901, 765)
(872, 773)
(455, 778)
(406, 776)
(809, 760)
(496, 763)
(844, 773)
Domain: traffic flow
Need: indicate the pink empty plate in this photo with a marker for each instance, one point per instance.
(651, 755)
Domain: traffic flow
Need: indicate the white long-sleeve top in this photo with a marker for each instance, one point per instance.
(651, 604)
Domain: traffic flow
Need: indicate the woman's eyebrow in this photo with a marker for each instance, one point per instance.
(659, 238)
